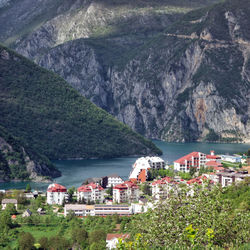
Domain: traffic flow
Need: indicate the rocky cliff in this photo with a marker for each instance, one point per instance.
(169, 69)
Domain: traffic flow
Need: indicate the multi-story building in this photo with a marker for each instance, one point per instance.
(142, 165)
(161, 188)
(56, 194)
(126, 192)
(90, 192)
(97, 210)
(104, 210)
(194, 159)
(79, 209)
(114, 180)
(227, 179)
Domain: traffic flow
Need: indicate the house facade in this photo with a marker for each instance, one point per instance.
(90, 192)
(194, 159)
(114, 180)
(56, 194)
(126, 192)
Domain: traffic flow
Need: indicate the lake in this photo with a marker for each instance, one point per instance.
(74, 172)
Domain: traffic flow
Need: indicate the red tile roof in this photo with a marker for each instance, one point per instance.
(56, 188)
(126, 185)
(187, 157)
(89, 187)
(213, 164)
(162, 181)
(212, 157)
(116, 236)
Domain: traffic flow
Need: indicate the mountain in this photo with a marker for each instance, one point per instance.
(50, 117)
(171, 70)
(20, 163)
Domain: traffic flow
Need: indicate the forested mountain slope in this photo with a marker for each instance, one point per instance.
(51, 118)
(170, 70)
(18, 162)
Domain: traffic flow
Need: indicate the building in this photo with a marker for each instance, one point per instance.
(126, 192)
(142, 165)
(194, 159)
(27, 213)
(230, 158)
(5, 202)
(90, 192)
(114, 180)
(79, 209)
(83, 210)
(212, 157)
(162, 188)
(227, 179)
(112, 240)
(104, 210)
(56, 194)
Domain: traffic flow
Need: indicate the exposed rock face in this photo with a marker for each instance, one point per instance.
(180, 81)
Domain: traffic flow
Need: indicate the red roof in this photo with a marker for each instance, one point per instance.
(116, 236)
(212, 157)
(187, 157)
(56, 188)
(219, 168)
(126, 185)
(89, 187)
(162, 181)
(213, 164)
(198, 180)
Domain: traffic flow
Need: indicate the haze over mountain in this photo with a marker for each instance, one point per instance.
(42, 117)
(170, 69)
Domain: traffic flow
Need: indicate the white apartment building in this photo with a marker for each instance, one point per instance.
(90, 192)
(142, 165)
(127, 191)
(194, 159)
(114, 180)
(56, 194)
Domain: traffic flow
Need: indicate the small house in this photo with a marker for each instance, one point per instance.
(5, 202)
(27, 213)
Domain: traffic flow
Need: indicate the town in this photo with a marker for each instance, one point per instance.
(150, 181)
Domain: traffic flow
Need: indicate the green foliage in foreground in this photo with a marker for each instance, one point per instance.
(208, 219)
(51, 118)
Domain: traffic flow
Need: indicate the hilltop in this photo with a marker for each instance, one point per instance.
(49, 118)
(171, 70)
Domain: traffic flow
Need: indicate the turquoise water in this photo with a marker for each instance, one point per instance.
(74, 172)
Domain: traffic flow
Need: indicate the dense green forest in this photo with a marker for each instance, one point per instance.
(51, 118)
(14, 158)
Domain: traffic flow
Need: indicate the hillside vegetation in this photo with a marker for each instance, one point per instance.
(18, 162)
(53, 119)
(170, 70)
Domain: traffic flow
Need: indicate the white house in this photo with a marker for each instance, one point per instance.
(5, 202)
(114, 180)
(56, 194)
(127, 191)
(91, 192)
(112, 239)
(194, 159)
